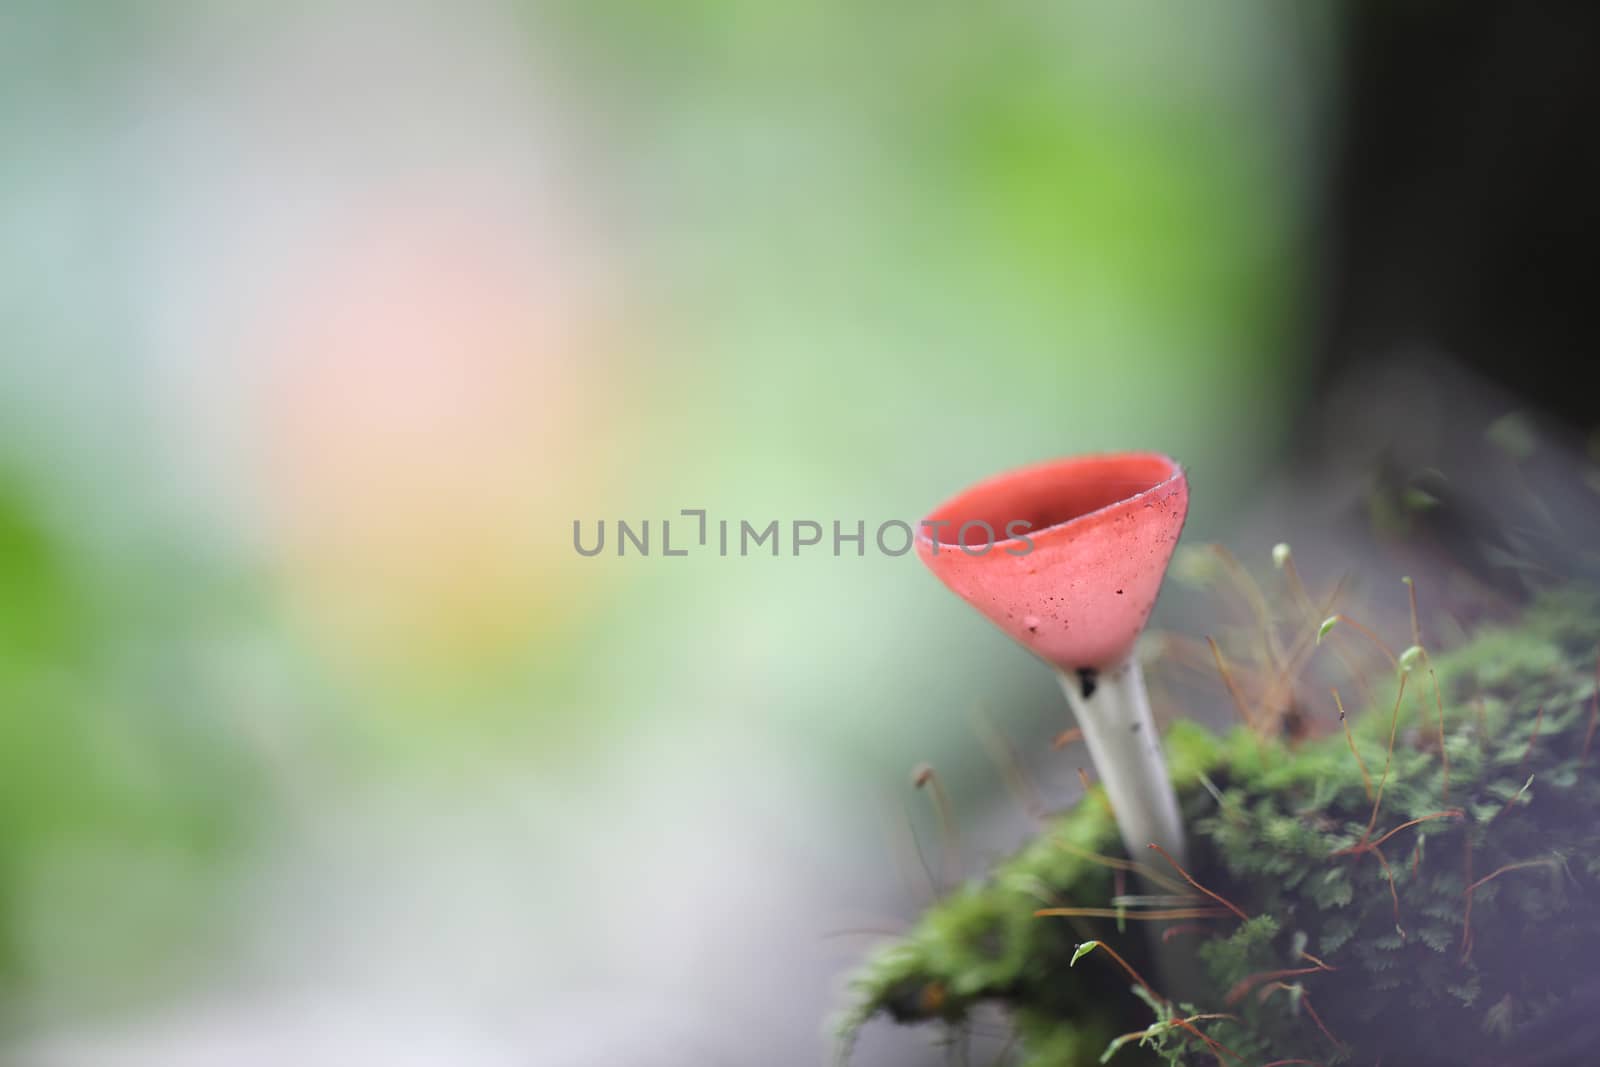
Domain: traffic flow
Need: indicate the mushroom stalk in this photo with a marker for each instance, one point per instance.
(1113, 711)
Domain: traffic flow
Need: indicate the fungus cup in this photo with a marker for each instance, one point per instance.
(1067, 558)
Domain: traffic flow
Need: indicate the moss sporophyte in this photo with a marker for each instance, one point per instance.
(1415, 883)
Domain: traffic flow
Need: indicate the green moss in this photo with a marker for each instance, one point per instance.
(1383, 950)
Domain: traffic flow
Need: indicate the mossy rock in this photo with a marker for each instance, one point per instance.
(1433, 903)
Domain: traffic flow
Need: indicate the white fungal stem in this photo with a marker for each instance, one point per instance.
(1113, 711)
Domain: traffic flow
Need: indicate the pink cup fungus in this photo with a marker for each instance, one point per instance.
(1067, 558)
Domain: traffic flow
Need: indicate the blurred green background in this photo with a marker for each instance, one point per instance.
(321, 323)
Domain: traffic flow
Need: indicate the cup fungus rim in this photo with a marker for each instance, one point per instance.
(1175, 472)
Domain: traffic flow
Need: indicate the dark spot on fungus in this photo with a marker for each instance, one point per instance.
(1119, 592)
(1088, 679)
